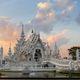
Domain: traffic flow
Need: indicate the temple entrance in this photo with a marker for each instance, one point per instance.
(37, 55)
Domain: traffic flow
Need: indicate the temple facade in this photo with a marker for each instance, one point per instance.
(30, 51)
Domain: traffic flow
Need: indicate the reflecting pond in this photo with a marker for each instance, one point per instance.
(50, 74)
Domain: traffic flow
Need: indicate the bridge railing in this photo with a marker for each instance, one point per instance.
(59, 62)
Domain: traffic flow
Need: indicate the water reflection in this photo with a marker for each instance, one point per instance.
(39, 75)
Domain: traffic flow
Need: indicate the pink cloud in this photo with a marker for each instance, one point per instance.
(54, 38)
(9, 33)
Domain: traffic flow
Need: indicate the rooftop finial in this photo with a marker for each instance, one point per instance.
(55, 45)
(22, 28)
(32, 31)
(22, 33)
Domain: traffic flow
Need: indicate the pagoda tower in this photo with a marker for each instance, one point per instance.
(1, 52)
(56, 52)
(10, 51)
(21, 42)
(22, 38)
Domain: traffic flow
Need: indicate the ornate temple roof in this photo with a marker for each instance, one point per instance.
(32, 40)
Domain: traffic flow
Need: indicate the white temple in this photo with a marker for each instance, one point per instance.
(33, 52)
(30, 51)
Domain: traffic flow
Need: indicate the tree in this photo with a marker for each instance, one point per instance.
(72, 52)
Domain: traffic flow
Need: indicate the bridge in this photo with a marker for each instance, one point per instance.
(63, 63)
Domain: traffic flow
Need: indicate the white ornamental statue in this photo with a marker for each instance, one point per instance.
(71, 65)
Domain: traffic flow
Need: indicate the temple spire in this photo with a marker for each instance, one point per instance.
(32, 31)
(10, 52)
(55, 46)
(56, 51)
(1, 52)
(22, 33)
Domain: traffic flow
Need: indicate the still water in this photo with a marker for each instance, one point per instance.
(35, 75)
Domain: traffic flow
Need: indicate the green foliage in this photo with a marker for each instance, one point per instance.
(72, 51)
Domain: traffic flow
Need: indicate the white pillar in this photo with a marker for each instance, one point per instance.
(77, 54)
(1, 54)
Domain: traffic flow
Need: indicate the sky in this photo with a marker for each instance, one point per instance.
(56, 21)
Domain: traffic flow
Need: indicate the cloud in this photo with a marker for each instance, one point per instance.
(44, 18)
(57, 37)
(42, 15)
(65, 12)
(62, 3)
(65, 8)
(43, 5)
(4, 18)
(47, 15)
(9, 33)
(70, 7)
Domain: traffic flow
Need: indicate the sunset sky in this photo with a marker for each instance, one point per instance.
(56, 20)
